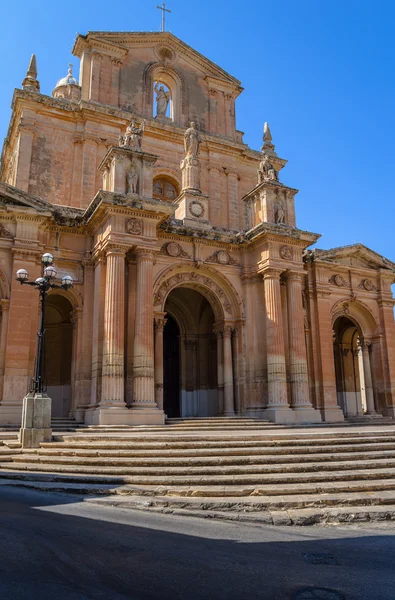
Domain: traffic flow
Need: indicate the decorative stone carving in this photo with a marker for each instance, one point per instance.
(134, 226)
(132, 180)
(368, 285)
(338, 280)
(215, 292)
(268, 146)
(162, 100)
(197, 209)
(266, 171)
(221, 257)
(280, 215)
(4, 232)
(192, 141)
(133, 136)
(174, 249)
(286, 253)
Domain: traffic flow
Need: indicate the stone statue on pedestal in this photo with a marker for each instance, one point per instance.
(162, 100)
(192, 141)
(133, 136)
(266, 171)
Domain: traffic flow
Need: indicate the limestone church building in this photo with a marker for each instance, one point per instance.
(195, 291)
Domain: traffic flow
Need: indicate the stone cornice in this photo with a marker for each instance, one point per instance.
(110, 202)
(276, 232)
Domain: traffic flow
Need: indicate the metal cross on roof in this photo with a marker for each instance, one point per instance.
(164, 10)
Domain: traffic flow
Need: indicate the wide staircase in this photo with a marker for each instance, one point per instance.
(240, 469)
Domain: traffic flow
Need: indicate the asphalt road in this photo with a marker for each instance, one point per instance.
(54, 546)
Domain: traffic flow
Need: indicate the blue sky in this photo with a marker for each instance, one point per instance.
(321, 72)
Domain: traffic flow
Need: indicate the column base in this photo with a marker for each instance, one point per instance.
(307, 415)
(118, 415)
(332, 415)
(282, 414)
(36, 421)
(390, 411)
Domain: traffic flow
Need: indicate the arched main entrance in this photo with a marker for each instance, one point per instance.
(58, 353)
(190, 356)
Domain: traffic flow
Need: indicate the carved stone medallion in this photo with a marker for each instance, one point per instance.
(173, 249)
(368, 285)
(134, 226)
(196, 208)
(338, 280)
(286, 253)
(223, 257)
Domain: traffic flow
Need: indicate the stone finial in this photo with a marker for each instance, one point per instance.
(268, 146)
(30, 81)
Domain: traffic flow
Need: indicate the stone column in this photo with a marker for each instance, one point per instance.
(367, 371)
(300, 396)
(220, 368)
(5, 305)
(277, 407)
(143, 364)
(160, 323)
(76, 360)
(229, 408)
(114, 330)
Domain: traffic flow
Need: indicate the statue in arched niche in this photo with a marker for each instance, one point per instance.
(162, 100)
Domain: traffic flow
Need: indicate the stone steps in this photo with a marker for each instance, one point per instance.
(235, 456)
(213, 467)
(274, 474)
(295, 439)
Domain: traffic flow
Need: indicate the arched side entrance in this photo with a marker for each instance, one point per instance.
(352, 355)
(58, 353)
(190, 356)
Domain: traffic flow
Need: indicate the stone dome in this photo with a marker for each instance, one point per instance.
(67, 87)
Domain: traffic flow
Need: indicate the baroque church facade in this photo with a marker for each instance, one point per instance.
(195, 293)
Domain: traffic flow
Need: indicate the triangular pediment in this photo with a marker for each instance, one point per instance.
(121, 42)
(356, 255)
(12, 196)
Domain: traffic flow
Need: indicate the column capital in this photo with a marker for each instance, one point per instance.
(5, 304)
(228, 330)
(364, 344)
(295, 275)
(116, 249)
(160, 323)
(218, 329)
(147, 253)
(272, 273)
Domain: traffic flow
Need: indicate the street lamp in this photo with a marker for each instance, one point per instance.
(43, 285)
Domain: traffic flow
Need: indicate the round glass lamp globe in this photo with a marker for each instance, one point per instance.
(50, 272)
(67, 281)
(47, 259)
(22, 275)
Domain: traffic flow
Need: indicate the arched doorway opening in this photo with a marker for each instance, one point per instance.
(190, 356)
(349, 367)
(58, 353)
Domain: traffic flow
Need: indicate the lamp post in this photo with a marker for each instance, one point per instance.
(36, 414)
